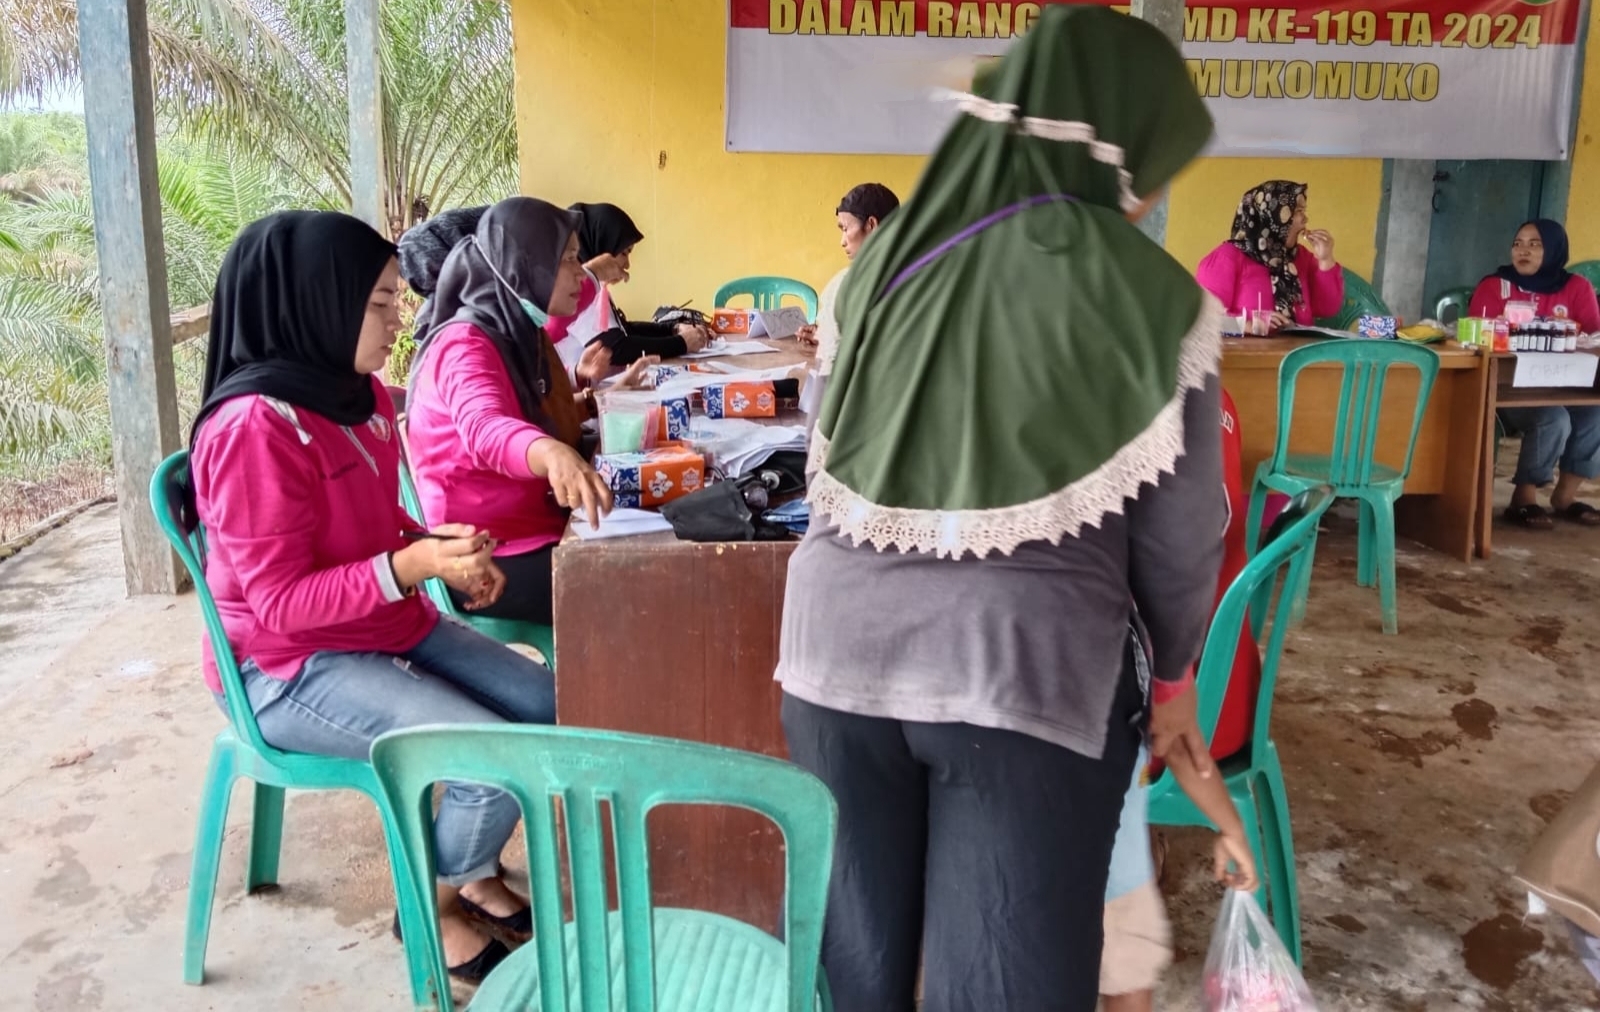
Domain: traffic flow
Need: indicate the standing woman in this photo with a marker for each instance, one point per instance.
(494, 425)
(1263, 265)
(958, 655)
(296, 473)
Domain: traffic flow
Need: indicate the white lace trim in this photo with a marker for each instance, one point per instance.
(1066, 131)
(1061, 514)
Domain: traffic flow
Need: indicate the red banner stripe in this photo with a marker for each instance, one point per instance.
(1486, 24)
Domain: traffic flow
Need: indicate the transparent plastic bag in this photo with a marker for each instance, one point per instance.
(1248, 969)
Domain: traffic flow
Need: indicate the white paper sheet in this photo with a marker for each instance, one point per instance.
(721, 348)
(620, 523)
(1554, 369)
(778, 323)
(738, 445)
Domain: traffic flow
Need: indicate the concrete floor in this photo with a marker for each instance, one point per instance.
(1419, 768)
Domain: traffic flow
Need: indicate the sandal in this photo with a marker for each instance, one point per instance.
(1581, 513)
(521, 922)
(475, 970)
(1532, 516)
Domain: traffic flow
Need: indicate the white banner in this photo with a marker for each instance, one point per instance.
(1425, 79)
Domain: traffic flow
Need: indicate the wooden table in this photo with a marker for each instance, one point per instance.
(1500, 393)
(668, 637)
(1443, 496)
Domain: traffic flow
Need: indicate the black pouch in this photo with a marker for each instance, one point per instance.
(719, 513)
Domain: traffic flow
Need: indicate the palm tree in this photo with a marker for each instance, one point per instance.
(266, 79)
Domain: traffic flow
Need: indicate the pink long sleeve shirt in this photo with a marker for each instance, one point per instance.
(1243, 284)
(469, 445)
(301, 514)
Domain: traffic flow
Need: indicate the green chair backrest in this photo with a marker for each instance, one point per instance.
(768, 293)
(1366, 365)
(605, 784)
(1458, 299)
(437, 592)
(1589, 270)
(169, 489)
(1359, 300)
(1288, 550)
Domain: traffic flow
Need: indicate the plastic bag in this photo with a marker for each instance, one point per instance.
(1248, 969)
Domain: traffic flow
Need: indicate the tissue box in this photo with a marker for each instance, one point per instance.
(1379, 327)
(725, 322)
(673, 420)
(740, 400)
(654, 476)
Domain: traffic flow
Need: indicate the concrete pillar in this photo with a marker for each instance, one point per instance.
(114, 49)
(1166, 15)
(1405, 222)
(365, 85)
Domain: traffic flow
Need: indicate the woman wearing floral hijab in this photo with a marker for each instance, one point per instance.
(1018, 467)
(1263, 265)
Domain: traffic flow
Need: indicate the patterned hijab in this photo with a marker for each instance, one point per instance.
(1261, 231)
(1014, 353)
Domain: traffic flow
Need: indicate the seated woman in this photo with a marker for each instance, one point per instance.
(1263, 266)
(597, 333)
(315, 567)
(1538, 273)
(860, 213)
(423, 249)
(493, 422)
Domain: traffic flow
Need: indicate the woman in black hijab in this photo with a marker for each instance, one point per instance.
(606, 238)
(313, 564)
(494, 426)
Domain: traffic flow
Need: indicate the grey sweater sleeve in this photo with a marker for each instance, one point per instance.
(1175, 532)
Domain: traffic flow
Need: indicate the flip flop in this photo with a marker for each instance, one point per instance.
(474, 970)
(1581, 513)
(1530, 515)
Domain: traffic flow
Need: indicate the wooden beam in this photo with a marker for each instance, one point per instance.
(1166, 15)
(119, 112)
(361, 35)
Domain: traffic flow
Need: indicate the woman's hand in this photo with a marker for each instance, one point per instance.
(573, 482)
(594, 364)
(633, 377)
(1320, 242)
(807, 335)
(694, 336)
(607, 269)
(1232, 847)
(463, 558)
(1174, 727)
(1280, 322)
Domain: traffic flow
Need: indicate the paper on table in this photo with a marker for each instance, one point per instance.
(727, 349)
(738, 445)
(620, 523)
(1554, 369)
(778, 323)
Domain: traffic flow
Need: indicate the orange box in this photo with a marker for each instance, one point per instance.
(652, 477)
(725, 322)
(740, 400)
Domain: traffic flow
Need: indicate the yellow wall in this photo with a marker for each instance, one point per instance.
(622, 101)
(1583, 202)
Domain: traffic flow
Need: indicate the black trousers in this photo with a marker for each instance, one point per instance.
(528, 596)
(985, 850)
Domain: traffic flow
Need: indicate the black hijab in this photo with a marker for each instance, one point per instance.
(423, 250)
(515, 254)
(606, 228)
(1552, 273)
(287, 312)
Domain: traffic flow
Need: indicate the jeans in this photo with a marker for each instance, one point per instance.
(1570, 435)
(340, 702)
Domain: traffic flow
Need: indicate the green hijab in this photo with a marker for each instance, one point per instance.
(1014, 354)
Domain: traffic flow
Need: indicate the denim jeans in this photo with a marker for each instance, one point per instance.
(340, 702)
(1568, 435)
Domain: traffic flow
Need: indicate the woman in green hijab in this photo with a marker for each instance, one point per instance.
(1016, 532)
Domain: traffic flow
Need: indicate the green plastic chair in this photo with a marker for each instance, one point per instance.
(1589, 270)
(768, 293)
(502, 630)
(239, 751)
(1254, 777)
(1359, 300)
(601, 787)
(1350, 467)
(1458, 299)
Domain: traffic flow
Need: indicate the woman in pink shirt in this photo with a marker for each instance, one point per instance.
(1565, 435)
(1263, 266)
(493, 424)
(313, 564)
